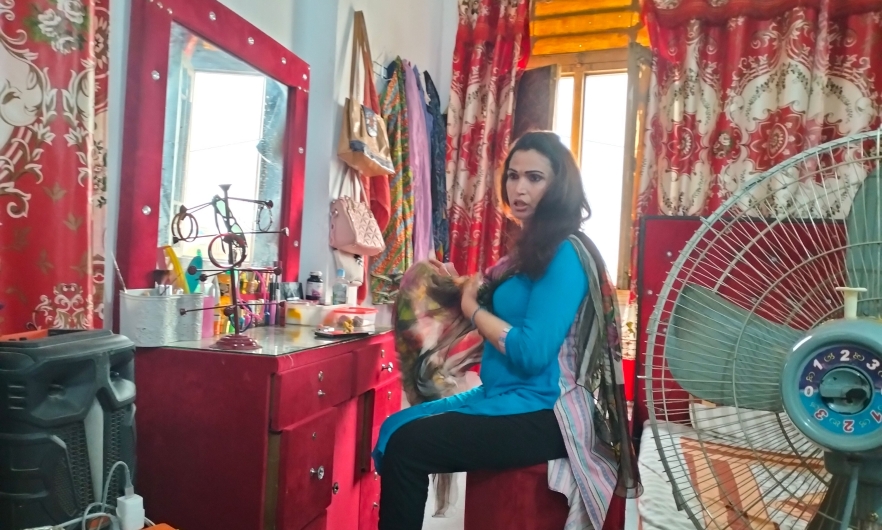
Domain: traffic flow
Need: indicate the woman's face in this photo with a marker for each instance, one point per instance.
(527, 179)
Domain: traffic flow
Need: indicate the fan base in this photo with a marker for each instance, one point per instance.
(867, 514)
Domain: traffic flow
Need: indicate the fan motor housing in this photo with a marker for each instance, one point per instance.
(832, 386)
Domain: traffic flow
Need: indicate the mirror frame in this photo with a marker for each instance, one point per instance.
(143, 134)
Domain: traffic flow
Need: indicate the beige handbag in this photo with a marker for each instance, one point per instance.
(353, 227)
(364, 143)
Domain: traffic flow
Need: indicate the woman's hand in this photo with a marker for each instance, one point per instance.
(470, 295)
(444, 269)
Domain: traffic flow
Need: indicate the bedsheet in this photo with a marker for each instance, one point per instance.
(770, 486)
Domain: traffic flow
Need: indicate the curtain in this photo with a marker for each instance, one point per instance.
(733, 95)
(738, 87)
(491, 51)
(53, 104)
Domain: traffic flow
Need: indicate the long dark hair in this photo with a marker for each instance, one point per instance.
(559, 214)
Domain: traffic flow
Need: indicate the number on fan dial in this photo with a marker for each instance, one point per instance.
(817, 364)
(872, 365)
(821, 414)
(876, 415)
(848, 426)
(809, 391)
(846, 356)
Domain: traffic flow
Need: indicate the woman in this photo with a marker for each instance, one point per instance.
(529, 316)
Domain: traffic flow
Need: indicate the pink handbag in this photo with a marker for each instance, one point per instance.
(353, 227)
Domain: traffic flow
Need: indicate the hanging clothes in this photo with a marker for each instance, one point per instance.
(421, 166)
(387, 267)
(438, 147)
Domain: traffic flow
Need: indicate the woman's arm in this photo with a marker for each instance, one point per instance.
(490, 326)
(551, 310)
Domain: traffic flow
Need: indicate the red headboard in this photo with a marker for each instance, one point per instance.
(145, 121)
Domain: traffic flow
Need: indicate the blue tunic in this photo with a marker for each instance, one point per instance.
(525, 378)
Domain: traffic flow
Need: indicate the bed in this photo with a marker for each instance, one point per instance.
(783, 492)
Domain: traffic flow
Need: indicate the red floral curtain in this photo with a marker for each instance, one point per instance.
(53, 103)
(492, 48)
(738, 87)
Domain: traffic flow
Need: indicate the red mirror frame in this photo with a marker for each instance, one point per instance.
(141, 177)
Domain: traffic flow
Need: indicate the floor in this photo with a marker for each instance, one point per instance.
(454, 520)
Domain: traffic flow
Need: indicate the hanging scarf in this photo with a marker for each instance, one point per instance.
(439, 172)
(387, 267)
(430, 332)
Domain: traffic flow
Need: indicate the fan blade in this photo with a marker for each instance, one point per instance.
(862, 259)
(713, 359)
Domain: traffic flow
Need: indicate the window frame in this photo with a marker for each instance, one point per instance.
(580, 65)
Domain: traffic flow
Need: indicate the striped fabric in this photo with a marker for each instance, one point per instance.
(590, 358)
(389, 265)
(588, 477)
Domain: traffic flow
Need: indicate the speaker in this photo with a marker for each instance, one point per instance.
(67, 414)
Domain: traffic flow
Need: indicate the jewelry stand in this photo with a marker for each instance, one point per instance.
(233, 241)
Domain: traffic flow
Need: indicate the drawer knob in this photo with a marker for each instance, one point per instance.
(382, 354)
(336, 488)
(321, 393)
(389, 395)
(321, 376)
(318, 473)
(376, 505)
(387, 367)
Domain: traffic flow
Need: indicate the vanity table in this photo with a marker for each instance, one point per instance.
(278, 439)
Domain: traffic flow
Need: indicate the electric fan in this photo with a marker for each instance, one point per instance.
(767, 340)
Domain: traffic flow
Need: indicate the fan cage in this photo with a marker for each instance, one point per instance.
(776, 248)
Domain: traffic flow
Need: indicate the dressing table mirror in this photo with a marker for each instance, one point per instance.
(210, 101)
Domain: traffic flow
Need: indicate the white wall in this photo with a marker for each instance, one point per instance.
(422, 31)
(273, 17)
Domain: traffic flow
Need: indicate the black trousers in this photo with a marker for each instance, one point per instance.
(454, 442)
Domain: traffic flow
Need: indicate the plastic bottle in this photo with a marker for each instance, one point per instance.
(315, 287)
(341, 288)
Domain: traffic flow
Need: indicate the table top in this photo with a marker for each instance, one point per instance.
(277, 340)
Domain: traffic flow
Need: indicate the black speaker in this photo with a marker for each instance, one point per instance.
(67, 414)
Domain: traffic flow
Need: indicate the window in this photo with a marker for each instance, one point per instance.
(600, 132)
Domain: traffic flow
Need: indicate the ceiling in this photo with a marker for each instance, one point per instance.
(573, 26)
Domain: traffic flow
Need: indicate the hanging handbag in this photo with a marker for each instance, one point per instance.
(364, 143)
(353, 227)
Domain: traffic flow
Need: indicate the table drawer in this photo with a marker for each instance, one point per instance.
(374, 365)
(306, 468)
(305, 391)
(387, 401)
(369, 511)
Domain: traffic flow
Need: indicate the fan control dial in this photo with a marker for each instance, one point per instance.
(841, 391)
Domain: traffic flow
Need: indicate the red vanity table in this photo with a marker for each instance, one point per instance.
(275, 439)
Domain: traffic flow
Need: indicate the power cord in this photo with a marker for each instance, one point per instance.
(129, 510)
